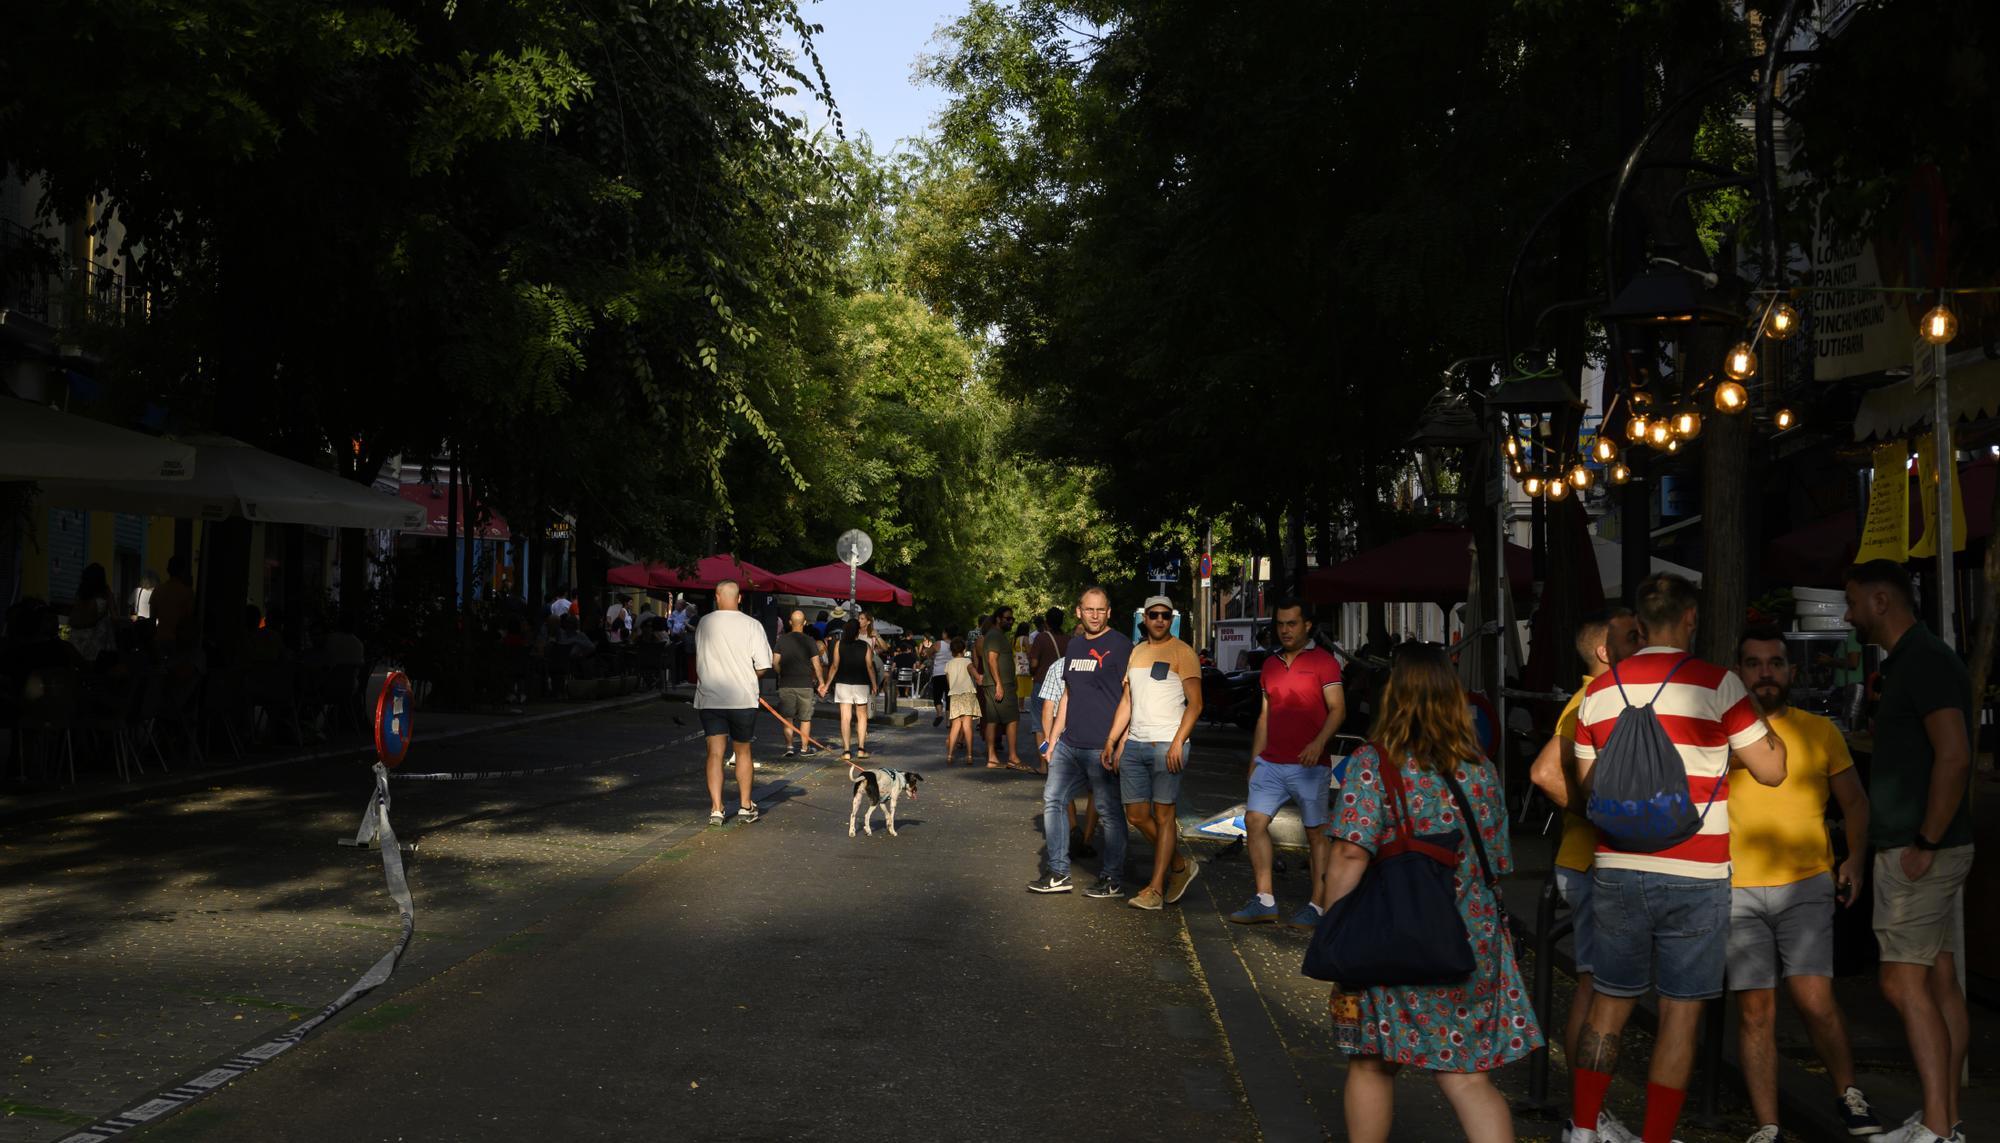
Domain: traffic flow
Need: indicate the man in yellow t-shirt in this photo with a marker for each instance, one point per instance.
(1784, 886)
(1602, 640)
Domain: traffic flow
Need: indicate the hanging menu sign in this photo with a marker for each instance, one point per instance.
(1885, 534)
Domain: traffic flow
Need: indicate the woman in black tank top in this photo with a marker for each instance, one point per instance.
(854, 686)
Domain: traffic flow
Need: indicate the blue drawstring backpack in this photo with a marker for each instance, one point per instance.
(1639, 798)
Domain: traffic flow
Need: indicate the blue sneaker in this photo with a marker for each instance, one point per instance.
(1306, 918)
(1255, 912)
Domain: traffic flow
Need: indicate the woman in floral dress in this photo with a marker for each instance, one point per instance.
(1458, 1032)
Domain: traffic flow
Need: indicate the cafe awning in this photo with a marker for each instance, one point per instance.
(234, 480)
(1428, 567)
(40, 443)
(831, 580)
(705, 576)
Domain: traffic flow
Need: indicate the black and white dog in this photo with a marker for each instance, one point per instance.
(881, 787)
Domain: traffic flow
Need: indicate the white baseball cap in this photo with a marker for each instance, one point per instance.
(1161, 600)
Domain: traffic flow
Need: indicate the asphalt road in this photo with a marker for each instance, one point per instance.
(592, 960)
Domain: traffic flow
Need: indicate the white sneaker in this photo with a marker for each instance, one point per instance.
(1571, 1133)
(1765, 1134)
(1612, 1131)
(1914, 1131)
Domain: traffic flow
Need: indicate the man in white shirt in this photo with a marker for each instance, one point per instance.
(731, 651)
(615, 620)
(559, 607)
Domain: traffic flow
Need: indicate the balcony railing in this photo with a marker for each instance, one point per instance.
(39, 282)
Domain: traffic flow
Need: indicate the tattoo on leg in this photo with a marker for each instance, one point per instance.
(1596, 1051)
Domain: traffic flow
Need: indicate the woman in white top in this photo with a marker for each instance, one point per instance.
(940, 662)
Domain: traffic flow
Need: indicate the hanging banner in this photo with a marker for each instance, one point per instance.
(1885, 535)
(1927, 480)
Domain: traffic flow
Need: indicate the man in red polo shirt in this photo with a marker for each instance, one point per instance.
(1303, 706)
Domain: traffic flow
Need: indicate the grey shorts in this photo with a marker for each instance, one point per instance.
(796, 703)
(1780, 930)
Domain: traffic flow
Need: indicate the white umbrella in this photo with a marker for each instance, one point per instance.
(232, 479)
(40, 443)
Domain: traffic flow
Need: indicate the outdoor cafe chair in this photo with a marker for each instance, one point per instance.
(48, 716)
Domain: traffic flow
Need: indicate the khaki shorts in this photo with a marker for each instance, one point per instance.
(964, 706)
(1913, 919)
(796, 703)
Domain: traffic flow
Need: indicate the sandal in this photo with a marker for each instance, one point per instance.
(847, 756)
(861, 753)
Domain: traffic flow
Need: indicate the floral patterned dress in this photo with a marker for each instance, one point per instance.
(1471, 1027)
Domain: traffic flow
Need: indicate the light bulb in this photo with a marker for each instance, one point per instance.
(1940, 325)
(1621, 473)
(1674, 445)
(1659, 433)
(1635, 429)
(1605, 450)
(1517, 468)
(1581, 477)
(1741, 364)
(1687, 424)
(1512, 446)
(1558, 488)
(1532, 484)
(1731, 397)
(1641, 399)
(1782, 322)
(1784, 419)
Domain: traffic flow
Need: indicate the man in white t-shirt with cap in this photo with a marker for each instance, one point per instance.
(1162, 701)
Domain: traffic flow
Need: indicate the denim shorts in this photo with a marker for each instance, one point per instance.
(1143, 775)
(1272, 784)
(739, 725)
(1574, 885)
(1648, 923)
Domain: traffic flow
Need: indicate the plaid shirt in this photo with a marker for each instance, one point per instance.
(1052, 683)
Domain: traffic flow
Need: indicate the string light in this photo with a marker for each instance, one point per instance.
(1782, 322)
(1785, 419)
(1741, 364)
(1940, 325)
(1674, 445)
(1635, 429)
(1605, 450)
(1621, 473)
(1731, 397)
(1532, 483)
(1558, 488)
(1659, 433)
(1581, 477)
(1687, 424)
(1512, 446)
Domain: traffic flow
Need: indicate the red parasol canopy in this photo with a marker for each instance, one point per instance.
(707, 574)
(831, 580)
(1432, 566)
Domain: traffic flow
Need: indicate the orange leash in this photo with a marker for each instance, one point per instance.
(803, 736)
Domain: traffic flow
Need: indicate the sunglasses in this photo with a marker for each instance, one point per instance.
(1159, 615)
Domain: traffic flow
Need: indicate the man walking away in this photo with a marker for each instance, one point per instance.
(1784, 888)
(799, 680)
(1670, 907)
(1303, 706)
(1003, 707)
(1163, 699)
(1921, 832)
(1602, 642)
(1094, 685)
(730, 652)
(1042, 653)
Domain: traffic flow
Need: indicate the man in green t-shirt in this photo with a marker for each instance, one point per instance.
(1003, 707)
(1920, 829)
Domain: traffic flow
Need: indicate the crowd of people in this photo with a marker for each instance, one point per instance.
(1741, 893)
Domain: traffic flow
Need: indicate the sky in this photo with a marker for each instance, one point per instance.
(868, 49)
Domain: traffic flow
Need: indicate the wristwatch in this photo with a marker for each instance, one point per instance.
(1926, 844)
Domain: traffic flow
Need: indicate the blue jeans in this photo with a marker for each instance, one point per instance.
(1069, 769)
(1659, 930)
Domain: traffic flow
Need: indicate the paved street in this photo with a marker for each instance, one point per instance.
(592, 960)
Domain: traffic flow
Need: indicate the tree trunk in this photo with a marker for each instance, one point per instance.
(1726, 475)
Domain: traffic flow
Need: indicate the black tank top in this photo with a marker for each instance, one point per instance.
(853, 662)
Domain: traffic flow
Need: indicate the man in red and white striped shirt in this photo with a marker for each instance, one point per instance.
(1668, 909)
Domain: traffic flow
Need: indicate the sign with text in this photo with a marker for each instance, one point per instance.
(1885, 534)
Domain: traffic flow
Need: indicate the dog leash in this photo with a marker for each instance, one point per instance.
(794, 728)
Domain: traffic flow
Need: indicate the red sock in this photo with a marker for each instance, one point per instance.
(1663, 1112)
(1587, 1090)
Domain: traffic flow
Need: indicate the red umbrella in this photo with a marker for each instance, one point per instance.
(1431, 566)
(831, 580)
(707, 574)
